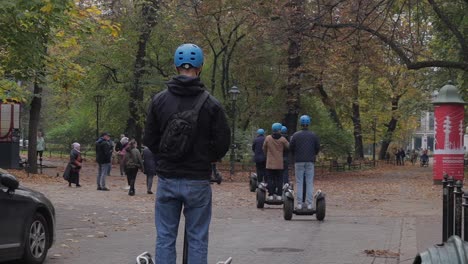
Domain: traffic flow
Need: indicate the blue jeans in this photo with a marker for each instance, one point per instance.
(194, 196)
(103, 171)
(304, 169)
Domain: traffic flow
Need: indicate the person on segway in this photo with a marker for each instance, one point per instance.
(284, 133)
(259, 156)
(185, 156)
(273, 147)
(305, 145)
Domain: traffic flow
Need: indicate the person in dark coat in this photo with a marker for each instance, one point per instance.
(75, 165)
(305, 146)
(184, 183)
(104, 151)
(259, 156)
(150, 162)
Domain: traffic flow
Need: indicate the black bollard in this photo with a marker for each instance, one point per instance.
(445, 208)
(458, 208)
(450, 212)
(465, 216)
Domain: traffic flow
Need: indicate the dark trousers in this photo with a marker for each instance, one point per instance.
(131, 176)
(149, 181)
(74, 178)
(285, 172)
(261, 170)
(275, 180)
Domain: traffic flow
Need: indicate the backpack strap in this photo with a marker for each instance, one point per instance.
(201, 100)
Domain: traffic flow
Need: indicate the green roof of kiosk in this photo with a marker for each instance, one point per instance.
(448, 94)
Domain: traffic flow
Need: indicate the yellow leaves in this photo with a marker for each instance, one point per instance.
(60, 34)
(94, 10)
(113, 28)
(47, 8)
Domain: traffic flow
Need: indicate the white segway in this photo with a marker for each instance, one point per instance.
(288, 206)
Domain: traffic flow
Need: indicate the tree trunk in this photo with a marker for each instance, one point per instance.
(391, 127)
(329, 105)
(134, 124)
(293, 85)
(356, 114)
(34, 117)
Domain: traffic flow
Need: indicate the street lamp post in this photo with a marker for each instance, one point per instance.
(373, 147)
(98, 100)
(234, 92)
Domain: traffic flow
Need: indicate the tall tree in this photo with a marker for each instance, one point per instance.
(149, 16)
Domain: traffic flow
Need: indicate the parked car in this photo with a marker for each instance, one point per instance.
(27, 222)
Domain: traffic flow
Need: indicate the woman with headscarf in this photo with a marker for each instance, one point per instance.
(75, 165)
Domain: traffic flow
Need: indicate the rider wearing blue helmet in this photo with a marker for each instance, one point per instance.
(284, 133)
(305, 146)
(273, 147)
(259, 156)
(184, 171)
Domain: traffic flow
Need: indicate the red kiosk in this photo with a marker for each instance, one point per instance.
(448, 125)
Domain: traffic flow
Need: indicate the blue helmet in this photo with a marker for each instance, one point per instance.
(260, 131)
(284, 129)
(188, 54)
(305, 120)
(276, 127)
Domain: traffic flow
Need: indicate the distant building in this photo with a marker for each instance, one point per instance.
(423, 136)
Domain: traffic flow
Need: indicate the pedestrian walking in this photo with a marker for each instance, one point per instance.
(75, 165)
(123, 151)
(274, 147)
(150, 163)
(118, 148)
(103, 158)
(305, 146)
(184, 166)
(259, 156)
(40, 147)
(133, 163)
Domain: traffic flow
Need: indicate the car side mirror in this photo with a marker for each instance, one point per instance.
(9, 181)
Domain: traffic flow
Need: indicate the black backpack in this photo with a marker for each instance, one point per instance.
(180, 131)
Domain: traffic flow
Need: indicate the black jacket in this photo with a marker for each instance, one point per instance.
(213, 134)
(304, 146)
(257, 148)
(103, 151)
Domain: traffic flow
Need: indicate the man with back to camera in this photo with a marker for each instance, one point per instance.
(184, 176)
(304, 146)
(259, 156)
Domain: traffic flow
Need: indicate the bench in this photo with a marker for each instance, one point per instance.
(337, 166)
(355, 165)
(369, 163)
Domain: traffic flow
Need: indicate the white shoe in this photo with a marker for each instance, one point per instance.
(279, 198)
(127, 188)
(310, 207)
(270, 198)
(299, 207)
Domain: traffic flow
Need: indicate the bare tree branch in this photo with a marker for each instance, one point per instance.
(400, 51)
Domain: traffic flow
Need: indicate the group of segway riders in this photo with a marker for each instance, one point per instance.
(271, 156)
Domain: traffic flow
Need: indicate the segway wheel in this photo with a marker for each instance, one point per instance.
(288, 207)
(253, 185)
(261, 196)
(320, 209)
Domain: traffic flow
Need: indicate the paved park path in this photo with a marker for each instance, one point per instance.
(382, 215)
